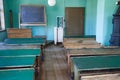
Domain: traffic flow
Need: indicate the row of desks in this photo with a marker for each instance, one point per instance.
(18, 60)
(23, 60)
(27, 41)
(88, 60)
(93, 61)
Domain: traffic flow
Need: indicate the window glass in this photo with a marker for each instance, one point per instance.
(2, 23)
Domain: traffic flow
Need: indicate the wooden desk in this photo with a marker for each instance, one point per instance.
(19, 33)
(88, 52)
(17, 74)
(27, 41)
(95, 65)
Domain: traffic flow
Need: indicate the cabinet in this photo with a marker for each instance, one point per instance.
(58, 35)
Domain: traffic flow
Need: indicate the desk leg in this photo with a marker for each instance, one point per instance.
(42, 52)
(38, 67)
(68, 63)
(76, 73)
(38, 63)
(80, 78)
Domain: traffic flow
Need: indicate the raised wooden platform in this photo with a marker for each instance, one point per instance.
(77, 43)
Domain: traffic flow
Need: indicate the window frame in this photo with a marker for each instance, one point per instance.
(2, 19)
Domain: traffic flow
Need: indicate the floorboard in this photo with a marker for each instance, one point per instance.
(54, 66)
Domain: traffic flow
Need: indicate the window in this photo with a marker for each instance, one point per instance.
(2, 23)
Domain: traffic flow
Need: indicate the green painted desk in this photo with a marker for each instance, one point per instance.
(17, 62)
(17, 74)
(23, 54)
(18, 67)
(89, 65)
(20, 52)
(20, 58)
(88, 52)
(27, 41)
(24, 41)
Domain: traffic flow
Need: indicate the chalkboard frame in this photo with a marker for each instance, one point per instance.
(38, 23)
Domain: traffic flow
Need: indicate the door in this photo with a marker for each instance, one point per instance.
(74, 21)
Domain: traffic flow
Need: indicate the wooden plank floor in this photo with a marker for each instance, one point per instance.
(55, 66)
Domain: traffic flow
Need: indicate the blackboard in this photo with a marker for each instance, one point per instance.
(32, 14)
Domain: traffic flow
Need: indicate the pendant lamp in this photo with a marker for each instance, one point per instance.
(51, 2)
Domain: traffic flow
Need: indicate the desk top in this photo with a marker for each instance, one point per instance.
(20, 52)
(79, 43)
(17, 61)
(97, 62)
(94, 51)
(24, 41)
(17, 74)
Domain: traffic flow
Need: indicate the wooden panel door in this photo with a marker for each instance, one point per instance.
(74, 21)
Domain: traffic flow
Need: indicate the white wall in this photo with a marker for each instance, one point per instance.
(100, 21)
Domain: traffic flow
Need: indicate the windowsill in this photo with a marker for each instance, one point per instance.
(2, 30)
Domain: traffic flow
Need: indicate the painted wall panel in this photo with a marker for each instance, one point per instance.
(3, 35)
(6, 12)
(90, 18)
(75, 3)
(100, 21)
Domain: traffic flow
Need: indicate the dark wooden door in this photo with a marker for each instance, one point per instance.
(74, 21)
